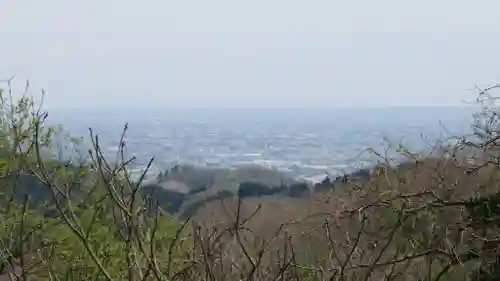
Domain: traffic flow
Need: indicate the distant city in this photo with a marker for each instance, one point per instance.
(305, 143)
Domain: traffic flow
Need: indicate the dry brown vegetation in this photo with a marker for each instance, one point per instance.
(430, 218)
(402, 214)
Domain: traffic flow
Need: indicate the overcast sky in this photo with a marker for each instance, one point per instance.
(259, 53)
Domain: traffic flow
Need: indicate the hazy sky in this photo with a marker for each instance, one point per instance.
(259, 53)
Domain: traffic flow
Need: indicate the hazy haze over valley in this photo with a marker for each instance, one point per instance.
(104, 63)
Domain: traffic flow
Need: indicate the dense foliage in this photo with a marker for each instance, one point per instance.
(69, 216)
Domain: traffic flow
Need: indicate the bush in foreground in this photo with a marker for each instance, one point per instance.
(432, 218)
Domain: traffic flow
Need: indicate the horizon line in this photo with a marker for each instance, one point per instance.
(159, 107)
